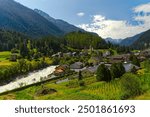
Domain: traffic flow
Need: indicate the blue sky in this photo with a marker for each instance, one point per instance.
(97, 15)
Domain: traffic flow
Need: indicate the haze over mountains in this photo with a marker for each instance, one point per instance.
(113, 41)
(138, 40)
(14, 16)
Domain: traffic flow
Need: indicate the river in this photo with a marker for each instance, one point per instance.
(31, 78)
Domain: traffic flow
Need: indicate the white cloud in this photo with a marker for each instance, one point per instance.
(120, 28)
(80, 14)
(142, 8)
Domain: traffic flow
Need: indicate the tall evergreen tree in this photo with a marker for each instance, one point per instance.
(117, 70)
(103, 73)
(135, 61)
(121, 69)
(114, 71)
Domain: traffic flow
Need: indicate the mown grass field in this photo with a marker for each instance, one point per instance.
(4, 58)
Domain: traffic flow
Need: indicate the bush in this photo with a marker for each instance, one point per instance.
(131, 85)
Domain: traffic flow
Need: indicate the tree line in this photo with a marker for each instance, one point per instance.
(106, 74)
(22, 67)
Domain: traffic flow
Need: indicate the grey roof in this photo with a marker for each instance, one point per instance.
(129, 66)
(92, 69)
(76, 65)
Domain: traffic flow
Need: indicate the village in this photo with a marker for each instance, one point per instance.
(96, 58)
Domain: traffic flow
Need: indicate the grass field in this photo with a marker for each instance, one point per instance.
(4, 55)
(71, 91)
(4, 58)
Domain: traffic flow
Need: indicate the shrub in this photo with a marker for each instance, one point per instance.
(131, 85)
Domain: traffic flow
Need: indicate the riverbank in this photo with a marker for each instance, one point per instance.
(31, 78)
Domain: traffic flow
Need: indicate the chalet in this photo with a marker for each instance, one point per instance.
(141, 58)
(60, 70)
(145, 53)
(118, 58)
(92, 69)
(85, 53)
(129, 66)
(76, 65)
(94, 60)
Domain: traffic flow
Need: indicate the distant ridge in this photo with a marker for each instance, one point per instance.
(130, 40)
(16, 17)
(61, 24)
(143, 42)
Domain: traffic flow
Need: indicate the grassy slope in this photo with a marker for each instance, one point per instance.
(4, 58)
(145, 96)
(71, 91)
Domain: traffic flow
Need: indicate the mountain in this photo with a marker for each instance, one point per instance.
(143, 41)
(16, 17)
(64, 26)
(113, 41)
(130, 40)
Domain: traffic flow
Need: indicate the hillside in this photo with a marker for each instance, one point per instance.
(63, 25)
(143, 41)
(82, 40)
(130, 40)
(14, 16)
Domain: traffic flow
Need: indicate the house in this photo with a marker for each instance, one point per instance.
(118, 58)
(94, 60)
(141, 58)
(68, 54)
(84, 53)
(59, 54)
(106, 53)
(74, 54)
(92, 69)
(129, 66)
(145, 53)
(76, 65)
(60, 70)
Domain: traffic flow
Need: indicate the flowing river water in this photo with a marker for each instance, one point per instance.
(31, 78)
